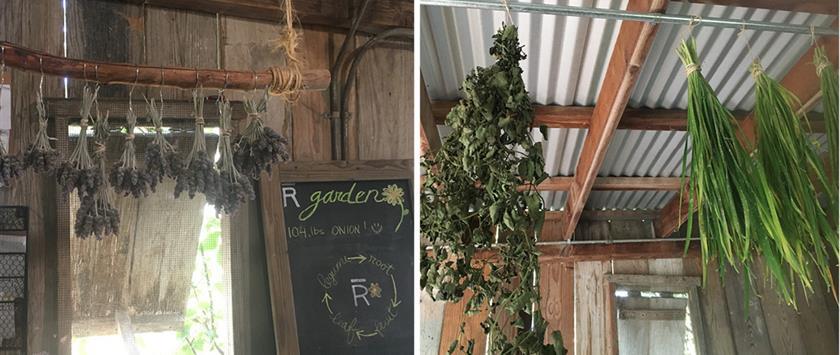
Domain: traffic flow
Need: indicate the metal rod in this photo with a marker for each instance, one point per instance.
(613, 14)
(613, 241)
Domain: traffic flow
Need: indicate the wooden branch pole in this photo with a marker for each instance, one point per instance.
(185, 78)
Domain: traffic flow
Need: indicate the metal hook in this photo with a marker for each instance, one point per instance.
(84, 72)
(96, 73)
(196, 77)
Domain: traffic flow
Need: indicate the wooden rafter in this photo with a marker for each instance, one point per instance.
(802, 81)
(631, 49)
(580, 116)
(612, 183)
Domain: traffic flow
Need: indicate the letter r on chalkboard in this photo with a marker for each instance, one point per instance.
(363, 292)
(290, 193)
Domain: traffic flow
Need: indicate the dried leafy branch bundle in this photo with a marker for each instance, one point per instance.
(160, 156)
(199, 175)
(235, 188)
(79, 172)
(40, 156)
(491, 143)
(125, 177)
(795, 174)
(259, 147)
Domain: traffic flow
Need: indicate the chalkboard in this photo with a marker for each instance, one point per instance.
(351, 252)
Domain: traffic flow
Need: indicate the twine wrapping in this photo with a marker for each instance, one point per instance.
(287, 82)
(691, 68)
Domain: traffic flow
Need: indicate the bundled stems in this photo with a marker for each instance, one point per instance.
(737, 213)
(79, 172)
(491, 143)
(789, 162)
(259, 147)
(125, 177)
(40, 156)
(199, 175)
(161, 159)
(235, 188)
(828, 86)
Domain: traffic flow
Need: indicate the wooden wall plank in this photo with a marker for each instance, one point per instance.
(431, 323)
(35, 24)
(557, 301)
(310, 130)
(453, 316)
(715, 311)
(749, 329)
(180, 38)
(590, 325)
(246, 45)
(385, 109)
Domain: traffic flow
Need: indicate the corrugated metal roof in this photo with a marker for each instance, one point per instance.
(567, 59)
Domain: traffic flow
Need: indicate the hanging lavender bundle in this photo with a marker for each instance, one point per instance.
(259, 147)
(160, 157)
(40, 156)
(79, 172)
(10, 167)
(198, 176)
(96, 215)
(125, 177)
(236, 188)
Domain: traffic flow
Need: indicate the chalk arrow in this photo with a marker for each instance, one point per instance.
(360, 258)
(326, 300)
(361, 333)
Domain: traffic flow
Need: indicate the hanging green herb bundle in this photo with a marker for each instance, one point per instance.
(736, 210)
(491, 143)
(789, 162)
(40, 156)
(125, 177)
(79, 172)
(160, 157)
(828, 86)
(259, 147)
(235, 188)
(198, 175)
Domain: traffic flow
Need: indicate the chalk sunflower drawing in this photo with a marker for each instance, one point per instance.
(395, 196)
(375, 290)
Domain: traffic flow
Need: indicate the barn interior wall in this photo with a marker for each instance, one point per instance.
(380, 126)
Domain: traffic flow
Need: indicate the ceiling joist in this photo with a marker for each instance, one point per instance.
(553, 116)
(628, 55)
(611, 183)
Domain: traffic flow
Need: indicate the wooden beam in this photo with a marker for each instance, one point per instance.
(611, 183)
(618, 251)
(333, 15)
(633, 118)
(429, 135)
(802, 81)
(355, 170)
(631, 49)
(36, 61)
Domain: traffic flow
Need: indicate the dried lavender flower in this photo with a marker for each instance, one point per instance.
(125, 177)
(79, 172)
(10, 167)
(160, 157)
(259, 147)
(40, 156)
(198, 176)
(235, 188)
(96, 217)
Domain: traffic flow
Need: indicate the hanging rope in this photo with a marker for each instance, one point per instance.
(288, 82)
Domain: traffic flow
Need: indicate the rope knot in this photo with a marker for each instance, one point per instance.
(129, 137)
(821, 67)
(199, 120)
(691, 68)
(756, 69)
